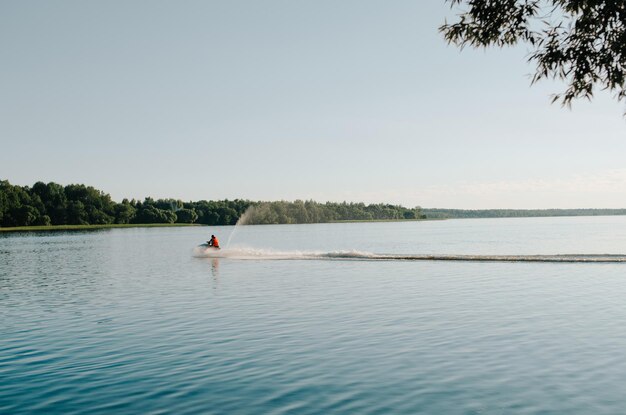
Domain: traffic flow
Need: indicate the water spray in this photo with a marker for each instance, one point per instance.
(242, 221)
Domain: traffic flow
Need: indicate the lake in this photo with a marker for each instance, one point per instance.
(311, 319)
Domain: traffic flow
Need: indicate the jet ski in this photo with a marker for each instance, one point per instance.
(211, 247)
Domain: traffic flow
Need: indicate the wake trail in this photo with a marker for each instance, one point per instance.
(269, 254)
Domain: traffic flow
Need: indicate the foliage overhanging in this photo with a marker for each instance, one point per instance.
(582, 42)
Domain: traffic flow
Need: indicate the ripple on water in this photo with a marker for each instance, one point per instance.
(130, 323)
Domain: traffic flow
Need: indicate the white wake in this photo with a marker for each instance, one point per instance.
(245, 253)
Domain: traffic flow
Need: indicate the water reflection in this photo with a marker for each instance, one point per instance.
(215, 267)
(215, 272)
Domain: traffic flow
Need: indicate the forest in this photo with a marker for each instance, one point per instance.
(47, 204)
(516, 213)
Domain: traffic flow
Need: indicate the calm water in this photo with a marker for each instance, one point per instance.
(138, 321)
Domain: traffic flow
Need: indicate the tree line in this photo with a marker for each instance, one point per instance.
(77, 204)
(314, 212)
(517, 213)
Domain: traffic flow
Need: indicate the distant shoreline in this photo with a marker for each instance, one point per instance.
(53, 207)
(442, 213)
(53, 228)
(380, 220)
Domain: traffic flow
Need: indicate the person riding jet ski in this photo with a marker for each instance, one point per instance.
(214, 242)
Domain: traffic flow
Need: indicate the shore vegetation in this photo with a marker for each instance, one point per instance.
(77, 205)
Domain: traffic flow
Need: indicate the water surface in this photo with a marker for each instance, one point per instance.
(135, 321)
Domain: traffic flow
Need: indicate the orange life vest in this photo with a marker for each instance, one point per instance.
(215, 242)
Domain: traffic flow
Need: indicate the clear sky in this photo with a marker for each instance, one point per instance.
(266, 100)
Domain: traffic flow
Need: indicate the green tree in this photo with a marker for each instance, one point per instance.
(97, 204)
(15, 205)
(76, 214)
(168, 204)
(151, 214)
(54, 200)
(5, 189)
(43, 221)
(227, 215)
(24, 215)
(124, 212)
(582, 42)
(211, 218)
(186, 216)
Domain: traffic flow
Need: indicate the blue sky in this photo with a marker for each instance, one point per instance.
(350, 100)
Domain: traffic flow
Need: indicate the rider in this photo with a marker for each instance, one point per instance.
(214, 242)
